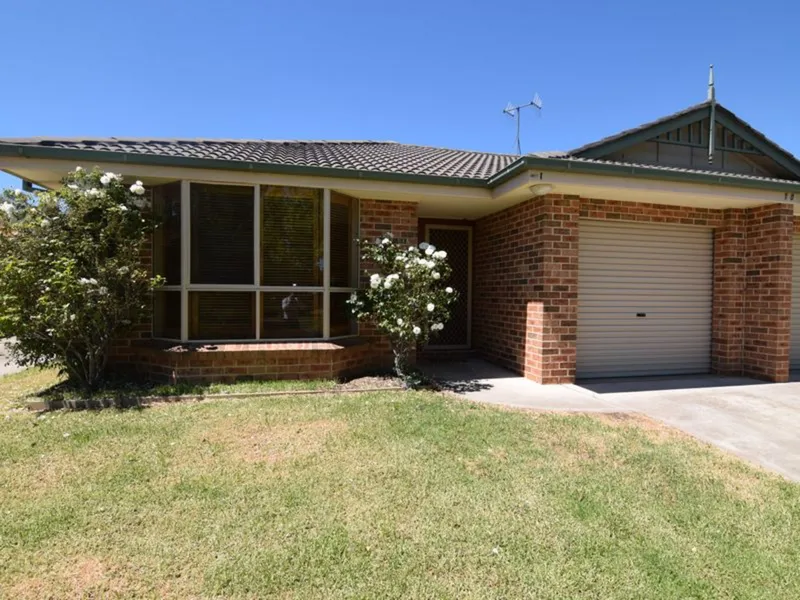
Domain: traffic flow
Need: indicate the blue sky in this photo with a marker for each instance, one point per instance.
(434, 72)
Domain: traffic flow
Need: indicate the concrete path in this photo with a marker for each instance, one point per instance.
(6, 366)
(752, 419)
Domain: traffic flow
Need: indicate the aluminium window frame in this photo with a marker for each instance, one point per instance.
(186, 287)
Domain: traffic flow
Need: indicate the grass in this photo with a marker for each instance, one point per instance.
(38, 384)
(382, 495)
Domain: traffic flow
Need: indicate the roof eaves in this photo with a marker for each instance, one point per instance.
(601, 167)
(35, 151)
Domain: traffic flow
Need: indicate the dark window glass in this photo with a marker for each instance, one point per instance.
(222, 315)
(167, 234)
(291, 236)
(222, 234)
(342, 320)
(288, 315)
(167, 315)
(343, 240)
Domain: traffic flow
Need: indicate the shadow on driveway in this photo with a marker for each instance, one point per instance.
(621, 385)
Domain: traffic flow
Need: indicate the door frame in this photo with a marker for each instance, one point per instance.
(468, 229)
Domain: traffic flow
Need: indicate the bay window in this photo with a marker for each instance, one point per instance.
(260, 262)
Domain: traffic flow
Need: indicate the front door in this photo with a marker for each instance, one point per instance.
(456, 240)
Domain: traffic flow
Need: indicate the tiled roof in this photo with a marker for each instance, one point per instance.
(669, 169)
(379, 157)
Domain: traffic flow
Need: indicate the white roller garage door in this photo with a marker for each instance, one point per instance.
(795, 348)
(644, 299)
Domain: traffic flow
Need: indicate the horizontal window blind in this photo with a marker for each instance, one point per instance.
(289, 315)
(222, 234)
(291, 236)
(342, 320)
(167, 234)
(167, 314)
(343, 244)
(222, 315)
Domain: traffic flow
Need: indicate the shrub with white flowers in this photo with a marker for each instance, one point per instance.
(407, 298)
(71, 278)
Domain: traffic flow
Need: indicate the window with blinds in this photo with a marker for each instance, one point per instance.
(222, 301)
(343, 240)
(222, 234)
(291, 236)
(167, 233)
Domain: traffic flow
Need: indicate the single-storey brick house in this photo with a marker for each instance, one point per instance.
(666, 249)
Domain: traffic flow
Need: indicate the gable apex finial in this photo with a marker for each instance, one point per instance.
(712, 95)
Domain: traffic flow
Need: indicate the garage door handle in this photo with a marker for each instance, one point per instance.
(641, 314)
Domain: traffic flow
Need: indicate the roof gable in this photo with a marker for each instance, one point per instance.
(681, 140)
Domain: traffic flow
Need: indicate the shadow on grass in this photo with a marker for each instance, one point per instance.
(127, 393)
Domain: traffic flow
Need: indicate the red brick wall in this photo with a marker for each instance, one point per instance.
(240, 362)
(768, 298)
(728, 311)
(525, 287)
(526, 261)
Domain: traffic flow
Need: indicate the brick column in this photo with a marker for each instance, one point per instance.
(377, 218)
(552, 310)
(768, 297)
(729, 293)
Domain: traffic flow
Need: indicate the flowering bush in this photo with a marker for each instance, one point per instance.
(71, 279)
(407, 297)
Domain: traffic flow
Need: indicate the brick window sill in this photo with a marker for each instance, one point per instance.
(262, 346)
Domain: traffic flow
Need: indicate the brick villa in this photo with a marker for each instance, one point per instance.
(665, 249)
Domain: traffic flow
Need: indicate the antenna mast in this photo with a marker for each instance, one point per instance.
(514, 112)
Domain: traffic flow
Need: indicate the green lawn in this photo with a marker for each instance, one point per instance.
(382, 495)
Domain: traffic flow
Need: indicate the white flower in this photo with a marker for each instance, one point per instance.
(94, 192)
(72, 317)
(411, 248)
(18, 192)
(83, 281)
(430, 250)
(430, 264)
(416, 330)
(93, 281)
(448, 289)
(388, 282)
(137, 188)
(123, 270)
(72, 186)
(384, 241)
(123, 208)
(374, 281)
(78, 169)
(102, 290)
(441, 254)
(7, 208)
(430, 307)
(105, 179)
(424, 245)
(439, 326)
(436, 275)
(45, 223)
(400, 322)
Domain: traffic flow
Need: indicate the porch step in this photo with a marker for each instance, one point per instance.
(445, 355)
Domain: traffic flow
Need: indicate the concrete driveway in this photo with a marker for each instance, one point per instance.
(6, 366)
(752, 419)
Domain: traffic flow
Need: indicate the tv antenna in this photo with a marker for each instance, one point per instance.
(514, 112)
